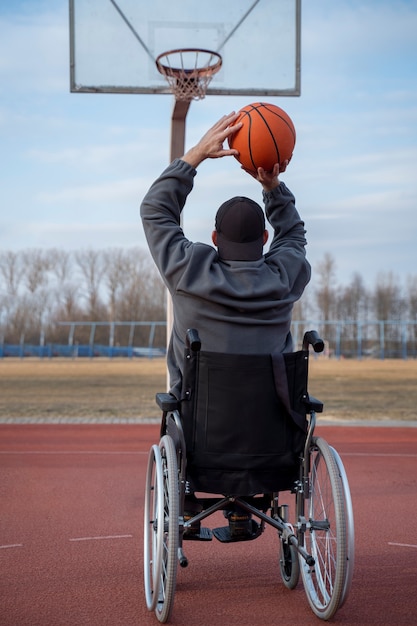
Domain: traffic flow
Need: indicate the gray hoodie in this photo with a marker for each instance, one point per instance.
(236, 306)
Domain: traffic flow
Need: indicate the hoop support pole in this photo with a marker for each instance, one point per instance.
(179, 115)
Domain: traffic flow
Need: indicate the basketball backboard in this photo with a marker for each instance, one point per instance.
(114, 44)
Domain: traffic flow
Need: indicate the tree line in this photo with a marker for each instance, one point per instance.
(388, 299)
(42, 289)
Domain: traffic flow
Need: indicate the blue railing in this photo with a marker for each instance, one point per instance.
(378, 339)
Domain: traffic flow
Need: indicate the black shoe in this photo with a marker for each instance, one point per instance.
(191, 508)
(240, 524)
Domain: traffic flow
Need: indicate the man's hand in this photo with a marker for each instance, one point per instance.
(210, 145)
(269, 180)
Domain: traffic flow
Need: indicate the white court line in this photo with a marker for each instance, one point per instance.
(383, 454)
(402, 545)
(107, 452)
(12, 545)
(101, 537)
(142, 452)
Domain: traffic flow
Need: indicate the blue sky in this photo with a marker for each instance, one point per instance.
(73, 167)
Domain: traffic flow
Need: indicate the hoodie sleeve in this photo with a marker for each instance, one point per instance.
(160, 212)
(287, 249)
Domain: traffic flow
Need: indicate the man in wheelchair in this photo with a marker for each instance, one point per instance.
(238, 298)
(238, 419)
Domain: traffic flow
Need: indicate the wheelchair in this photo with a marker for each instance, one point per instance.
(241, 436)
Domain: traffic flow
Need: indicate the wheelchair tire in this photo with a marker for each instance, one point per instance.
(152, 530)
(161, 539)
(325, 537)
(350, 528)
(289, 565)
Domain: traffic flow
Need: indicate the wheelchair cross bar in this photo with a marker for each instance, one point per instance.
(281, 526)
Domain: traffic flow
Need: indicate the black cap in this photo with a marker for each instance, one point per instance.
(240, 226)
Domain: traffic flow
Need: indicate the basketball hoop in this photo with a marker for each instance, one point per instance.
(189, 71)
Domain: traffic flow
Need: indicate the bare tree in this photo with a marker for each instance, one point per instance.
(388, 301)
(65, 301)
(36, 265)
(302, 308)
(412, 311)
(17, 321)
(38, 293)
(143, 293)
(352, 310)
(389, 304)
(354, 300)
(326, 292)
(412, 297)
(92, 267)
(65, 289)
(61, 264)
(11, 271)
(117, 275)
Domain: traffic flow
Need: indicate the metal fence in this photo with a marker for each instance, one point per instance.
(96, 339)
(379, 339)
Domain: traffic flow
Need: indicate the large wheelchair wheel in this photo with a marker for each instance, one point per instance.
(161, 528)
(325, 536)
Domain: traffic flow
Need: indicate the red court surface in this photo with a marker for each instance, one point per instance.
(71, 535)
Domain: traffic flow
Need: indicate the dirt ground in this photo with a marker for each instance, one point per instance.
(365, 390)
(122, 389)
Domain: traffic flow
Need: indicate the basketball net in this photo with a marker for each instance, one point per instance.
(189, 71)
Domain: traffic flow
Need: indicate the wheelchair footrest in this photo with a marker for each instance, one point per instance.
(224, 535)
(204, 534)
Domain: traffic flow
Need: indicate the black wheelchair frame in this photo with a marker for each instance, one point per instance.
(319, 543)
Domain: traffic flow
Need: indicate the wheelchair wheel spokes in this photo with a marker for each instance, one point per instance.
(325, 536)
(153, 529)
(169, 547)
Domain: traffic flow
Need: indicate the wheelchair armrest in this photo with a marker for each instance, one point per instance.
(167, 402)
(313, 404)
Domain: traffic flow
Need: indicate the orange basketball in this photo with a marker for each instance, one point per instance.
(266, 137)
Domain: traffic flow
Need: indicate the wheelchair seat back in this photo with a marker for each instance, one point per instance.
(244, 435)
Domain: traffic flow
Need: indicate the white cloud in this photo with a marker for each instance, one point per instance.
(113, 193)
(101, 155)
(34, 50)
(77, 235)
